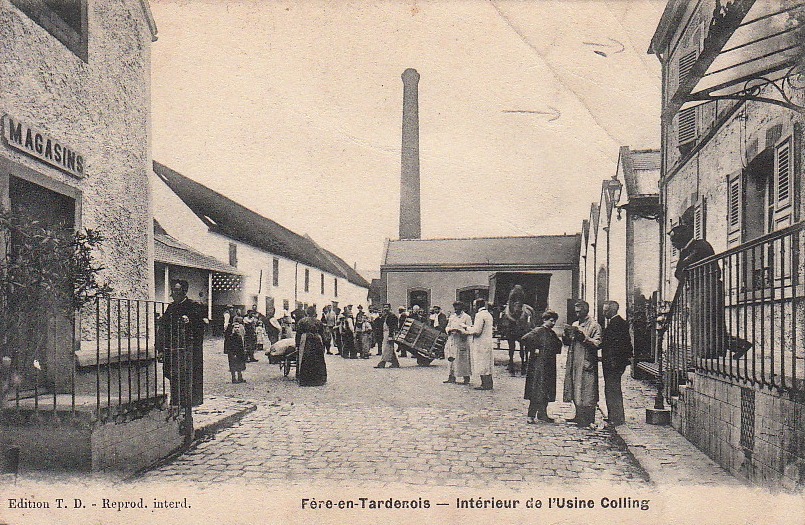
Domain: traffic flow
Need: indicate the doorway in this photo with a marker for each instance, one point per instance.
(420, 297)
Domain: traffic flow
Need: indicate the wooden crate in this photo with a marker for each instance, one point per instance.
(423, 340)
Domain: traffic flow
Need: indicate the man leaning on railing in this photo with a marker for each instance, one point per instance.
(706, 295)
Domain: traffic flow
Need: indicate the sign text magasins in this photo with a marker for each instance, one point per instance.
(26, 139)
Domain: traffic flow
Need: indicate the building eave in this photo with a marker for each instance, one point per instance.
(149, 19)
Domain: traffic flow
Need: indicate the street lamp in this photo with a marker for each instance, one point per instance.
(613, 188)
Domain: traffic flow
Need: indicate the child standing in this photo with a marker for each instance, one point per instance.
(235, 350)
(260, 331)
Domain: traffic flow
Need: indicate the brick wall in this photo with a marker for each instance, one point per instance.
(758, 435)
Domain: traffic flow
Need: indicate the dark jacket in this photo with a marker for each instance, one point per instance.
(181, 346)
(697, 250)
(616, 343)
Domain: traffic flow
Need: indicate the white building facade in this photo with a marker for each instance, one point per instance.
(278, 268)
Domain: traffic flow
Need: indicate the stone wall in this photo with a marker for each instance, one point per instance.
(756, 434)
(77, 443)
(136, 444)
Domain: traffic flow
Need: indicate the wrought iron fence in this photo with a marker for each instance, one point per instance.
(739, 315)
(118, 358)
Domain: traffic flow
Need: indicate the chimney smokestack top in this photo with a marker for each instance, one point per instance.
(410, 75)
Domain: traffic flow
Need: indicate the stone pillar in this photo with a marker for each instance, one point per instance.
(410, 222)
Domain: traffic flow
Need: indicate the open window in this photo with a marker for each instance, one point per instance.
(760, 202)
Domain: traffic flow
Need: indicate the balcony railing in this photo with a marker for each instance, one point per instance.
(110, 367)
(739, 315)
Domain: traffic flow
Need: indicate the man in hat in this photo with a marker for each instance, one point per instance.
(387, 329)
(706, 294)
(438, 319)
(180, 340)
(402, 315)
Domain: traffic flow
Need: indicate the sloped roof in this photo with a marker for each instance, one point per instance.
(168, 250)
(641, 169)
(348, 271)
(537, 251)
(226, 217)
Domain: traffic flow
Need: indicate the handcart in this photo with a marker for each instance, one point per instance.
(425, 342)
(284, 354)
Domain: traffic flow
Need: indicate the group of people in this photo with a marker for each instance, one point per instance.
(470, 345)
(246, 335)
(468, 351)
(583, 340)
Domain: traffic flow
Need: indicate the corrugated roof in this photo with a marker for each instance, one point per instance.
(546, 250)
(227, 217)
(168, 250)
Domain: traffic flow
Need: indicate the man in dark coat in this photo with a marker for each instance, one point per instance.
(298, 314)
(705, 299)
(616, 351)
(180, 340)
(401, 317)
(440, 319)
(387, 326)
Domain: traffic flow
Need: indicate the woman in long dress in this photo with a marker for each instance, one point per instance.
(542, 345)
(311, 369)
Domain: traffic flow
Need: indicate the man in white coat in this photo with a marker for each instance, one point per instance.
(457, 349)
(482, 360)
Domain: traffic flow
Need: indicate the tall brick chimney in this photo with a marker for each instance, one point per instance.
(410, 221)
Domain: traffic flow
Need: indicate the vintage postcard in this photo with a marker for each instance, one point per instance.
(402, 261)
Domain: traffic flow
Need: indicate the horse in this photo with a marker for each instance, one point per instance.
(517, 320)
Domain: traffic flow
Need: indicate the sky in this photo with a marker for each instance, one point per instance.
(294, 110)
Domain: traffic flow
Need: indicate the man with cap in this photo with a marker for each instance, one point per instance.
(438, 320)
(180, 340)
(706, 294)
(583, 340)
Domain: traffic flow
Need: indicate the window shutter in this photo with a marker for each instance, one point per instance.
(233, 254)
(782, 174)
(687, 126)
(686, 63)
(699, 219)
(734, 205)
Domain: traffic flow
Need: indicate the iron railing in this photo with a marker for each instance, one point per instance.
(115, 368)
(739, 315)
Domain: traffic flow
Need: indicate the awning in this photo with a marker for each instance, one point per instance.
(168, 250)
(748, 44)
(765, 44)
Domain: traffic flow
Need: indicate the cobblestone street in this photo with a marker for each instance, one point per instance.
(393, 426)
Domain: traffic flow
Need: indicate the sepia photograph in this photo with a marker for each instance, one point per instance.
(402, 261)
